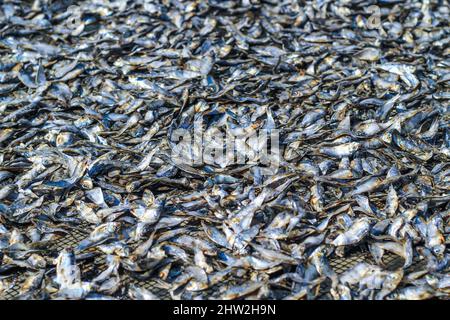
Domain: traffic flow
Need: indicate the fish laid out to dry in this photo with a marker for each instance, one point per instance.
(93, 92)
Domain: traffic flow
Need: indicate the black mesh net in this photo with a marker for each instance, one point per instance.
(96, 264)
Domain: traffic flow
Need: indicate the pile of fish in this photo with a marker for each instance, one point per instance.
(90, 92)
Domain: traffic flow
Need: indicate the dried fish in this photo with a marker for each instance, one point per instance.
(224, 149)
